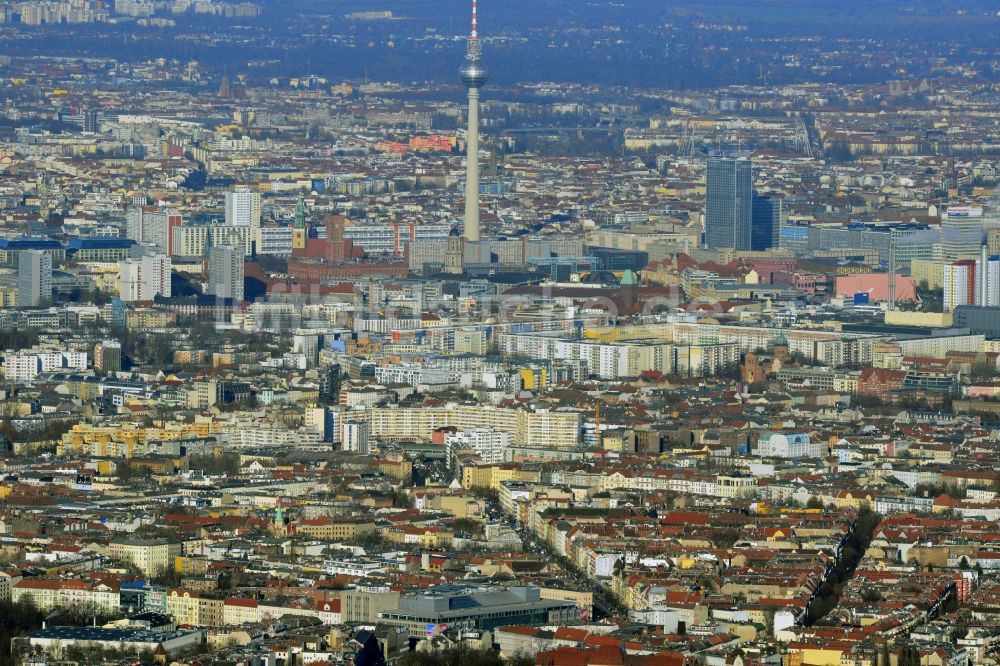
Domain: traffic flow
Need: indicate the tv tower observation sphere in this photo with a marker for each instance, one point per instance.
(473, 73)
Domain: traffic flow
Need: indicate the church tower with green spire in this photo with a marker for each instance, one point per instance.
(278, 526)
(300, 213)
(299, 230)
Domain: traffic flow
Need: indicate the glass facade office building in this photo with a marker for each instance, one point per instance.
(765, 222)
(729, 203)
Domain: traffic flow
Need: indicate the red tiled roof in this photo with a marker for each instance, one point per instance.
(244, 603)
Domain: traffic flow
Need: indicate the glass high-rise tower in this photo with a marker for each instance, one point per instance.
(765, 222)
(729, 203)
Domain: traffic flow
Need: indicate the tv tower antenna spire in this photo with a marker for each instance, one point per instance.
(473, 75)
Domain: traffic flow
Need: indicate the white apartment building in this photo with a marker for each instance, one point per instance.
(386, 324)
(273, 240)
(391, 237)
(827, 347)
(491, 445)
(969, 282)
(133, 223)
(157, 226)
(356, 437)
(21, 367)
(411, 374)
(960, 284)
(624, 359)
(25, 367)
(191, 240)
(142, 279)
(242, 208)
(939, 346)
(257, 437)
(542, 428)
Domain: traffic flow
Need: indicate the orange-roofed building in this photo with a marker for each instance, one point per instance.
(876, 285)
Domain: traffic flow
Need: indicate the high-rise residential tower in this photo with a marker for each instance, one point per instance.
(960, 284)
(149, 224)
(225, 272)
(729, 203)
(473, 75)
(242, 208)
(989, 266)
(34, 277)
(145, 277)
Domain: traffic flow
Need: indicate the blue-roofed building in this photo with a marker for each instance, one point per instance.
(99, 248)
(10, 247)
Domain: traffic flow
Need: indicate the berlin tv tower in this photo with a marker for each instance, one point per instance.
(473, 75)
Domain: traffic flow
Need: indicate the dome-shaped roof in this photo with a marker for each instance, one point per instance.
(473, 73)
